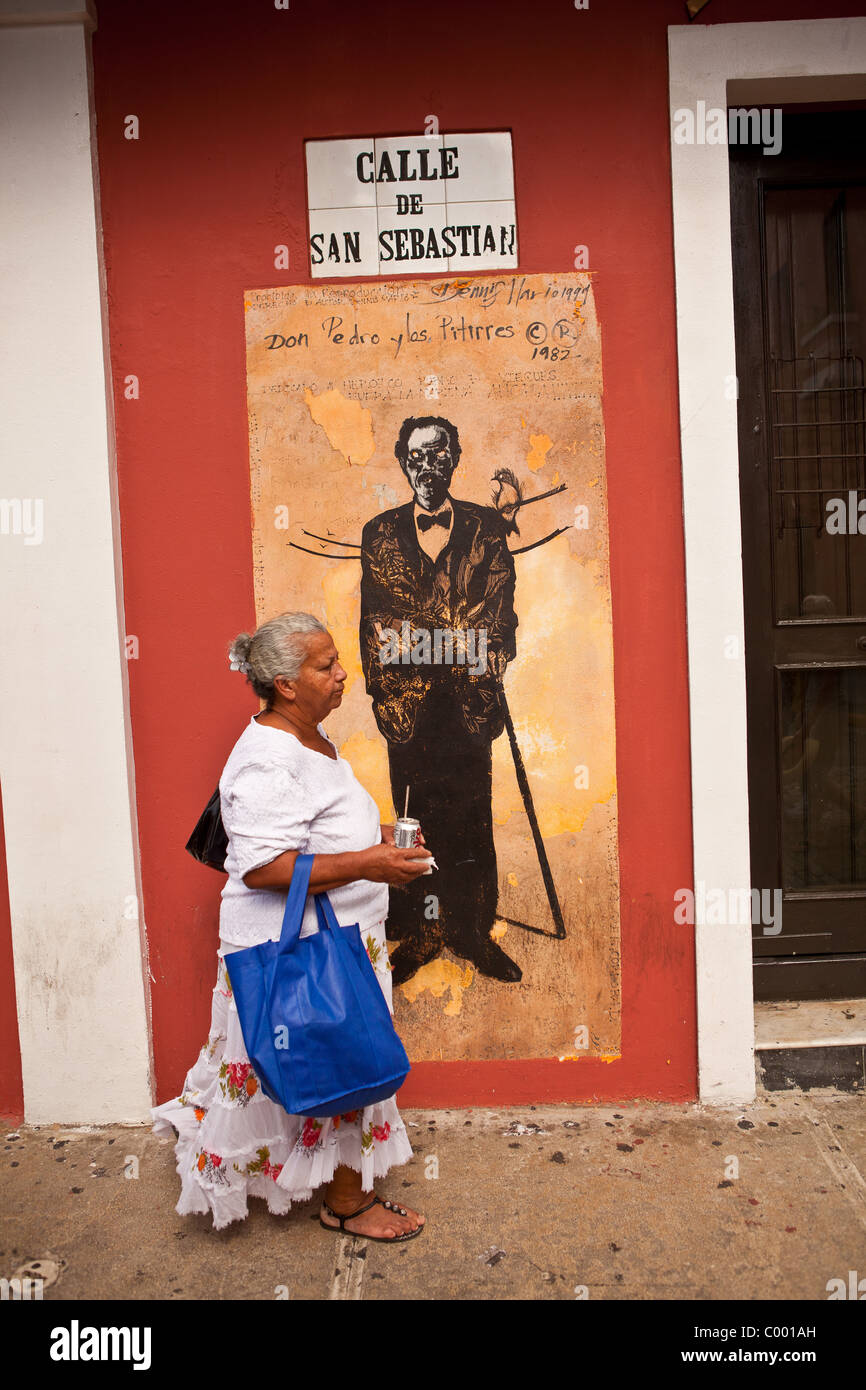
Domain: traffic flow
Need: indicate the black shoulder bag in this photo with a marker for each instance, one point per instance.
(209, 842)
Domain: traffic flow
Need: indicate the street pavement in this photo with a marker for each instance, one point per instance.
(630, 1202)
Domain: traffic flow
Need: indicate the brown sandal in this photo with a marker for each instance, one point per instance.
(350, 1215)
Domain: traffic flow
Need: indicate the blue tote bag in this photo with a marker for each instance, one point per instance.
(315, 1022)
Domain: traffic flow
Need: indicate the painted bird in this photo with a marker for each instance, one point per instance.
(508, 497)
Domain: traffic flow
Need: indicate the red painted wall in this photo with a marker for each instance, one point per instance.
(11, 1089)
(226, 95)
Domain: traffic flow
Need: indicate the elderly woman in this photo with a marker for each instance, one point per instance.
(285, 791)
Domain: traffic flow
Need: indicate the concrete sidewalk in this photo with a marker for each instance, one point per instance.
(626, 1202)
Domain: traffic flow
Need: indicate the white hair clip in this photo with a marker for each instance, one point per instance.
(236, 665)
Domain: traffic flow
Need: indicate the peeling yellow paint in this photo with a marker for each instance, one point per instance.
(512, 879)
(369, 762)
(570, 651)
(541, 447)
(340, 587)
(498, 930)
(347, 424)
(438, 976)
(590, 1057)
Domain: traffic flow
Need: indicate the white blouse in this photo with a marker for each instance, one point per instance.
(276, 795)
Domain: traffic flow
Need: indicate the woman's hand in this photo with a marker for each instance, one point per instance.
(386, 863)
(383, 863)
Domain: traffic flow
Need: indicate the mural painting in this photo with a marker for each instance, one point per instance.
(427, 477)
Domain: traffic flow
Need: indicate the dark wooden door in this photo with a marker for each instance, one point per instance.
(799, 242)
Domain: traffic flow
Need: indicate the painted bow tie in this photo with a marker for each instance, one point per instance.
(442, 518)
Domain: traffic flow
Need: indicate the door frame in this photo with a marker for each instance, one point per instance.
(761, 64)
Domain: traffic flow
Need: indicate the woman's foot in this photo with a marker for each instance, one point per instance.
(378, 1222)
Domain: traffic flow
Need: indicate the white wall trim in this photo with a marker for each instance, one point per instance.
(703, 60)
(65, 747)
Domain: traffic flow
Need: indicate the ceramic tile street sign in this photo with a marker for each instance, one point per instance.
(411, 204)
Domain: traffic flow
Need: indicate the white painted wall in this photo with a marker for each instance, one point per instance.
(703, 59)
(65, 758)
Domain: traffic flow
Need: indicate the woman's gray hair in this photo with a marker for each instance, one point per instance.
(277, 648)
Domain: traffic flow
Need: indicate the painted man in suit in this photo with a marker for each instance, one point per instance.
(441, 567)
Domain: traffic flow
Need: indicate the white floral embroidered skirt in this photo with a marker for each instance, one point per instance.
(234, 1143)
